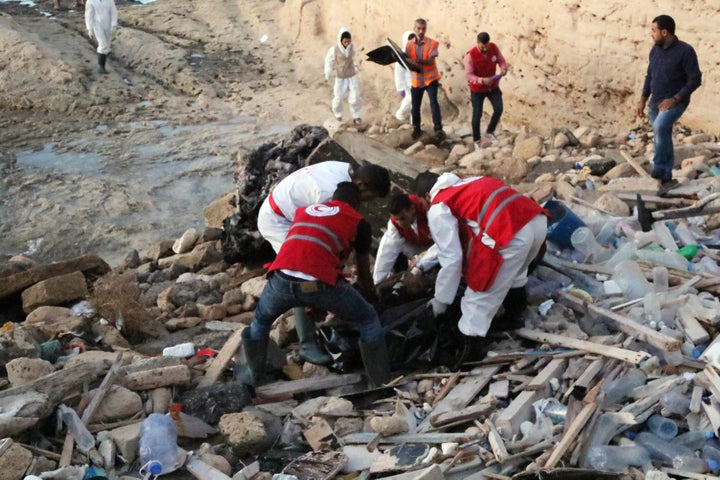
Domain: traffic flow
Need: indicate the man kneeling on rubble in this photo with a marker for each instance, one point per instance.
(407, 233)
(498, 232)
(307, 272)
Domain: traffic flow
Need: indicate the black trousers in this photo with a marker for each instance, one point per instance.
(416, 95)
(477, 99)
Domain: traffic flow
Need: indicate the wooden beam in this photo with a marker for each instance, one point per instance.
(281, 389)
(519, 410)
(636, 166)
(460, 396)
(222, 359)
(365, 437)
(577, 424)
(604, 350)
(624, 324)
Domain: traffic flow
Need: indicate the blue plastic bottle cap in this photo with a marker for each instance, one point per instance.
(631, 435)
(712, 464)
(709, 434)
(155, 467)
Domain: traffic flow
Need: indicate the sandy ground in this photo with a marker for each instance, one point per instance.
(107, 163)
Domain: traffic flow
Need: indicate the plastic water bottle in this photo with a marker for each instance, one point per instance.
(675, 402)
(691, 464)
(613, 458)
(694, 439)
(664, 428)
(711, 455)
(76, 428)
(617, 389)
(159, 452)
(660, 449)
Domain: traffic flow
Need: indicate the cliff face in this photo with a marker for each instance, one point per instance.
(572, 62)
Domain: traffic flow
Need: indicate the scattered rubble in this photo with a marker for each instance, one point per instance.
(622, 328)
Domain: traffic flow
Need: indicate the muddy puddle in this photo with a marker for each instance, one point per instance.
(119, 187)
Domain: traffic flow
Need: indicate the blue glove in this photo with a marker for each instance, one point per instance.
(402, 93)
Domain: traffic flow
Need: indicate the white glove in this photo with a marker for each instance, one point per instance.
(90, 34)
(438, 307)
(416, 271)
(327, 77)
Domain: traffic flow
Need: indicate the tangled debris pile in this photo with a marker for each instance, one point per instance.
(618, 350)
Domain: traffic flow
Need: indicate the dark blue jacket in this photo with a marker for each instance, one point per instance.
(672, 71)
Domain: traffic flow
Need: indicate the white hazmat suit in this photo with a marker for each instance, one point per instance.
(101, 22)
(342, 63)
(403, 83)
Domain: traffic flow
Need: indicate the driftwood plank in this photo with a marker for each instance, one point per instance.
(223, 358)
(625, 325)
(519, 410)
(605, 350)
(280, 389)
(461, 396)
(570, 435)
(365, 437)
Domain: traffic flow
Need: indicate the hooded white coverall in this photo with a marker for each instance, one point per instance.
(403, 83)
(101, 21)
(478, 308)
(342, 63)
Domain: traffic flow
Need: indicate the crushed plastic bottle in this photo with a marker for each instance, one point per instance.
(615, 458)
(663, 427)
(159, 453)
(76, 428)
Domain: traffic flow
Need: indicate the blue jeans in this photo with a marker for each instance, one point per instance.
(477, 99)
(662, 125)
(416, 95)
(281, 294)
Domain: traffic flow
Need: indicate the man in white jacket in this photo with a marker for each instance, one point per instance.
(101, 22)
(342, 63)
(403, 83)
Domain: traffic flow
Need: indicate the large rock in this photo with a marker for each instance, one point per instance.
(219, 210)
(509, 170)
(528, 148)
(22, 371)
(200, 256)
(51, 321)
(55, 291)
(611, 203)
(15, 342)
(245, 433)
(15, 460)
(119, 403)
(127, 440)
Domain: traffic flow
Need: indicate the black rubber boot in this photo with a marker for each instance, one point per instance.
(514, 306)
(310, 351)
(102, 58)
(376, 360)
(253, 370)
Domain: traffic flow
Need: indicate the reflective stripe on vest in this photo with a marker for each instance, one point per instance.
(429, 72)
(338, 245)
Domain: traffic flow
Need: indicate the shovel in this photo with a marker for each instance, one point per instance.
(647, 217)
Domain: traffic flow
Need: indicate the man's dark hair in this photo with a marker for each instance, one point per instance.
(375, 178)
(424, 183)
(665, 22)
(483, 37)
(345, 34)
(398, 203)
(347, 192)
(421, 21)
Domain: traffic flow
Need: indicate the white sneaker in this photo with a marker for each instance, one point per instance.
(491, 137)
(478, 145)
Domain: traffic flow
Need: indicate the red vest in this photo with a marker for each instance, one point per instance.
(499, 210)
(468, 198)
(422, 238)
(319, 240)
(484, 66)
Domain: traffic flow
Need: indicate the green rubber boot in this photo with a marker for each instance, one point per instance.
(309, 349)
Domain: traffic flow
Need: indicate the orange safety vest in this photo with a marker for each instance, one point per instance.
(430, 72)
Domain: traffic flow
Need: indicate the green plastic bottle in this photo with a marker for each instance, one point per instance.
(688, 251)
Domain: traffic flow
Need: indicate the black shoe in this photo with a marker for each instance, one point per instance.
(440, 135)
(666, 186)
(416, 133)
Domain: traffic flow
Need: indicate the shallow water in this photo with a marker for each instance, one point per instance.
(119, 188)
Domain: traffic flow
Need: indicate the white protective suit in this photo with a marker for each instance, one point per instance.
(479, 308)
(101, 21)
(403, 83)
(392, 244)
(347, 86)
(309, 185)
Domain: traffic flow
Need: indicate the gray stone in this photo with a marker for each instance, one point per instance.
(55, 291)
(22, 371)
(52, 321)
(528, 148)
(245, 433)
